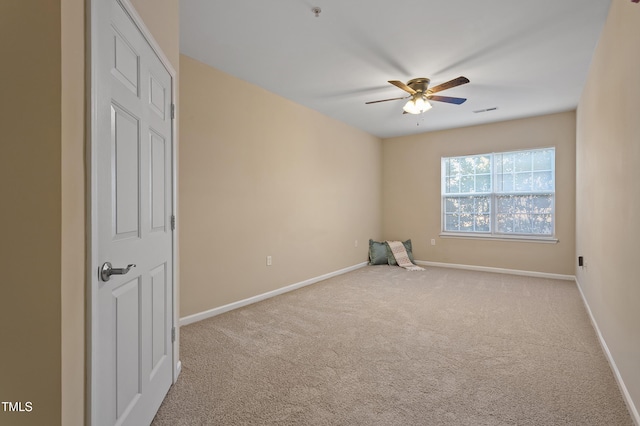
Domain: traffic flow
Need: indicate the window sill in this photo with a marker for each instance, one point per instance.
(514, 238)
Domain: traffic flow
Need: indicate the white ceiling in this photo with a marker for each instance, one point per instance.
(526, 58)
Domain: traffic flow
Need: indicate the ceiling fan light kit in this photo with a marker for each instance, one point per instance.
(420, 94)
(417, 105)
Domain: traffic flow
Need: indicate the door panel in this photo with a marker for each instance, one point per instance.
(127, 311)
(126, 169)
(158, 181)
(157, 96)
(125, 63)
(159, 316)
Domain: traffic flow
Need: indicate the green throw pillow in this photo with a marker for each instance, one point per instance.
(407, 246)
(377, 253)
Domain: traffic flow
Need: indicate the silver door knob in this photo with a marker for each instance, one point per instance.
(107, 270)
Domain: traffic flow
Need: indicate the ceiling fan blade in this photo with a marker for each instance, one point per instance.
(385, 100)
(449, 84)
(401, 85)
(447, 99)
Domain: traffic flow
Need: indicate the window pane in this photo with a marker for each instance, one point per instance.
(543, 159)
(542, 224)
(504, 223)
(466, 205)
(483, 183)
(542, 204)
(522, 224)
(482, 205)
(504, 204)
(523, 182)
(467, 214)
(467, 184)
(483, 164)
(453, 185)
(504, 183)
(543, 181)
(483, 223)
(525, 214)
(448, 166)
(504, 163)
(467, 166)
(451, 222)
(467, 174)
(522, 161)
(451, 205)
(466, 222)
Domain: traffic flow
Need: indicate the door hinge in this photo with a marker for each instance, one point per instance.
(173, 334)
(173, 111)
(173, 222)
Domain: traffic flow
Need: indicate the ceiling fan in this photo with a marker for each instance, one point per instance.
(420, 94)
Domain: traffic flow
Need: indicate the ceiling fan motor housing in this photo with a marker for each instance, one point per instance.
(419, 84)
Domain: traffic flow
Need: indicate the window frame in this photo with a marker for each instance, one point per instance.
(494, 195)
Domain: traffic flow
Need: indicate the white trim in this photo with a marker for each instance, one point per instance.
(498, 270)
(190, 319)
(92, 216)
(500, 237)
(633, 410)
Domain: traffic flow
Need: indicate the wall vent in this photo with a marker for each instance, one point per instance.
(485, 110)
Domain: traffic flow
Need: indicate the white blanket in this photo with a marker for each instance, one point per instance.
(399, 252)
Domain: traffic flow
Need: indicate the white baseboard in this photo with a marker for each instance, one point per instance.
(498, 270)
(633, 410)
(178, 370)
(190, 319)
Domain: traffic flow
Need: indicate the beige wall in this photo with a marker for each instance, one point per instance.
(276, 179)
(162, 18)
(30, 169)
(608, 194)
(411, 193)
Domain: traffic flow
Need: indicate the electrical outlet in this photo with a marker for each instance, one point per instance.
(355, 244)
(433, 241)
(269, 261)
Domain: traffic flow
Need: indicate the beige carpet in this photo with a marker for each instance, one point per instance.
(386, 346)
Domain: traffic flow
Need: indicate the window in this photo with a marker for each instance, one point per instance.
(505, 194)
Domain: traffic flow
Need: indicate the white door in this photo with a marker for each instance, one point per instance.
(131, 311)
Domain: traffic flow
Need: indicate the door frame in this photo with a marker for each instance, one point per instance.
(92, 260)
